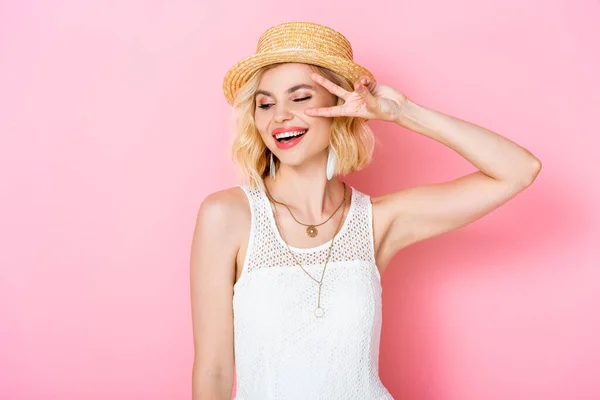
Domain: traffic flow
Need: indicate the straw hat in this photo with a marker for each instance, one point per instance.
(303, 42)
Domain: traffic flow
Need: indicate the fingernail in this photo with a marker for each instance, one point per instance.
(360, 88)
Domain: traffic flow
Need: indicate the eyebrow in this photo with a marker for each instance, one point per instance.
(290, 90)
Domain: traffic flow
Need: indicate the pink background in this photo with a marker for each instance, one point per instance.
(114, 128)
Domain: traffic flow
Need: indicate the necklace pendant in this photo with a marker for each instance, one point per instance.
(312, 231)
(319, 312)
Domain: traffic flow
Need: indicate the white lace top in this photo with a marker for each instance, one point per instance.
(282, 350)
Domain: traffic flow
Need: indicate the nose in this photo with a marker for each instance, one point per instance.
(282, 113)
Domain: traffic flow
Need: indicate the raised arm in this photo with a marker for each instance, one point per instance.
(418, 213)
(411, 215)
(212, 276)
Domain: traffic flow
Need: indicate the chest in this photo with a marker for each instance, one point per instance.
(282, 300)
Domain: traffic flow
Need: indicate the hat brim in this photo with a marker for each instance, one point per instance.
(239, 74)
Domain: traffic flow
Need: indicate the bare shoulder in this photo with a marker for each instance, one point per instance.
(393, 219)
(382, 221)
(382, 215)
(228, 208)
(223, 221)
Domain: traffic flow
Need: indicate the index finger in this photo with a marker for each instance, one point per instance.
(332, 87)
(335, 111)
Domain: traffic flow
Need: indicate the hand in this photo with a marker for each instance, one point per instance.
(369, 100)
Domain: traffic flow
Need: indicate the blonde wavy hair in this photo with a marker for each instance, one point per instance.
(352, 139)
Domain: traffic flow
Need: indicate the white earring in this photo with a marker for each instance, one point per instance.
(330, 163)
(272, 167)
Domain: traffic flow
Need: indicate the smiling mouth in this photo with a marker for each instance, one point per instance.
(284, 137)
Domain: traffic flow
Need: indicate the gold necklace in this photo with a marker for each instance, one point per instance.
(319, 312)
(311, 229)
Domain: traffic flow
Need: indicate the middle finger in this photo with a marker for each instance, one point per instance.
(332, 87)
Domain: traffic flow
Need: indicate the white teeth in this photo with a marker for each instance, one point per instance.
(289, 134)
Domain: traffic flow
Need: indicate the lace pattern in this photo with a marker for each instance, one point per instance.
(268, 250)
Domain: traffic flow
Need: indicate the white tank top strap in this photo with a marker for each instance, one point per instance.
(254, 200)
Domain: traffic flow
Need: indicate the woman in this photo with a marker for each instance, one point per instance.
(286, 268)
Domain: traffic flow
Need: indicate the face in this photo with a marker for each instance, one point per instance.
(283, 93)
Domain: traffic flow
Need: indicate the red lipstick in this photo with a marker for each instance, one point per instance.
(288, 144)
(287, 129)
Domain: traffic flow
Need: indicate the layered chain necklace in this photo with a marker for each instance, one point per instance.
(319, 312)
(311, 229)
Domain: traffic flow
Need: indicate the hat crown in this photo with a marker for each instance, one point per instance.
(296, 42)
(305, 36)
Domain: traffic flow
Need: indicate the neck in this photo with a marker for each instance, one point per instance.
(306, 190)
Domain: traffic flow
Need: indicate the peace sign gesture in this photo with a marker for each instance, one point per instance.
(369, 100)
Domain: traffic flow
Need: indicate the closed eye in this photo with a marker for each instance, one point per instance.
(303, 98)
(267, 106)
